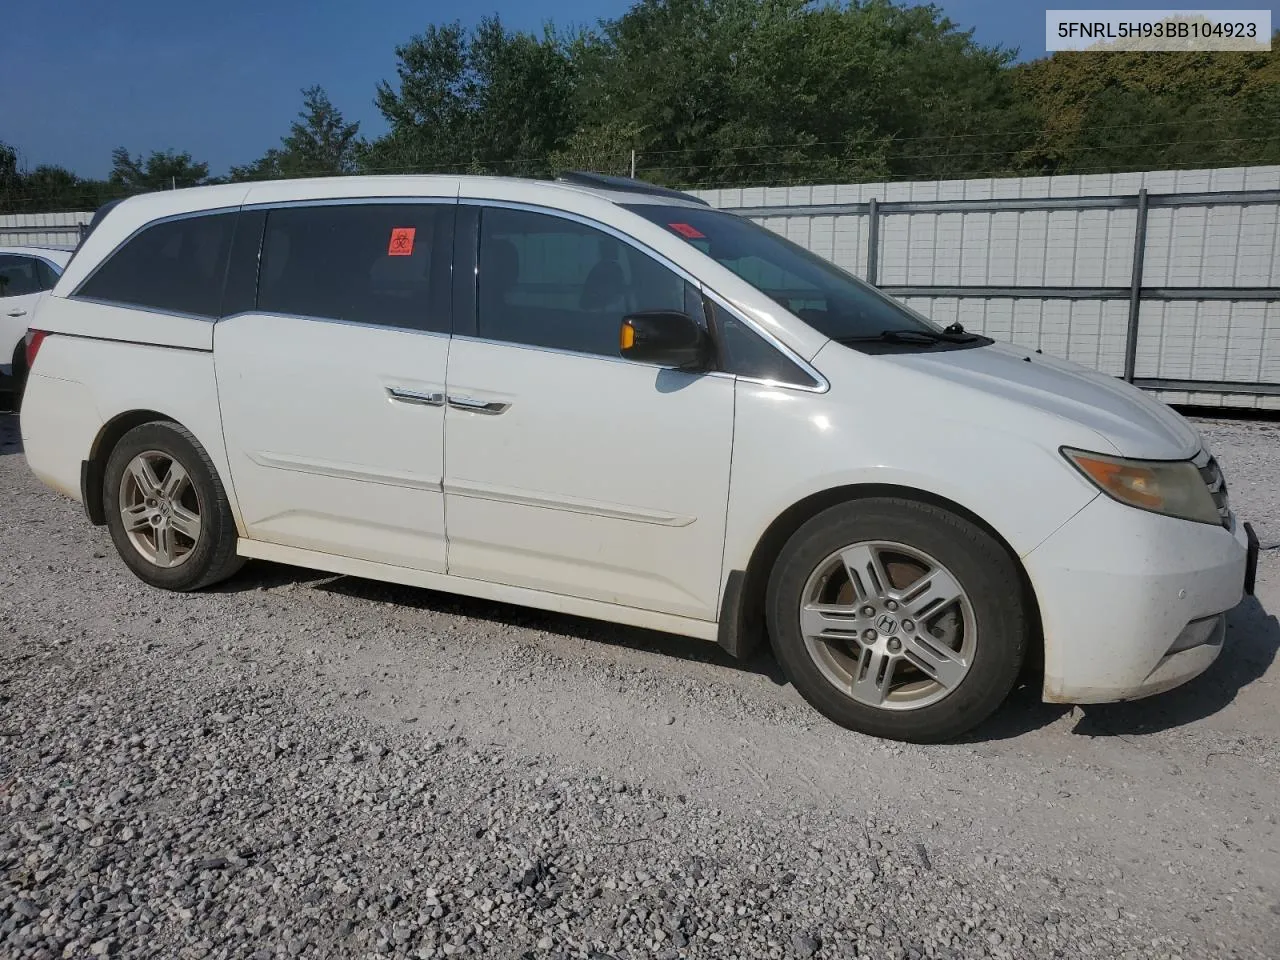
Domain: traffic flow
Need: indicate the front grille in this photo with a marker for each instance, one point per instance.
(1217, 485)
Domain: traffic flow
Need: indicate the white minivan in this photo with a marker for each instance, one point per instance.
(605, 398)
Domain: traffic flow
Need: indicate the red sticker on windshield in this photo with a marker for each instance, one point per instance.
(401, 244)
(687, 231)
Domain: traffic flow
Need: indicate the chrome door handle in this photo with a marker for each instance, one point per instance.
(17, 313)
(416, 397)
(491, 407)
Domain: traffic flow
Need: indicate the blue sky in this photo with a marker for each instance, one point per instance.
(221, 80)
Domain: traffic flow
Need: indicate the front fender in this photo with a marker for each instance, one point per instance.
(791, 446)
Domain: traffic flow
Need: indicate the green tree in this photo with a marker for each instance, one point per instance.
(8, 165)
(761, 91)
(49, 188)
(486, 100)
(269, 166)
(44, 189)
(743, 92)
(161, 170)
(10, 179)
(320, 143)
(1100, 112)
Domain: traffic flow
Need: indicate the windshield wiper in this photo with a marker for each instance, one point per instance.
(925, 338)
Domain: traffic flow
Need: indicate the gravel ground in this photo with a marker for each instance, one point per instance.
(297, 764)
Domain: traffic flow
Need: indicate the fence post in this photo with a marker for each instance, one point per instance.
(1135, 287)
(873, 240)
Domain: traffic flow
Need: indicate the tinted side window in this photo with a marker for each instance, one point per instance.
(18, 276)
(384, 264)
(241, 291)
(551, 282)
(177, 266)
(747, 354)
(47, 274)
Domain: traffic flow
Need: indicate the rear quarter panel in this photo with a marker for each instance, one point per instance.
(105, 321)
(59, 422)
(79, 385)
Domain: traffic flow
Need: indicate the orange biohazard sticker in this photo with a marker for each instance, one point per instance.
(401, 244)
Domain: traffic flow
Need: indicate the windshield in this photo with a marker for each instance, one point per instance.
(833, 302)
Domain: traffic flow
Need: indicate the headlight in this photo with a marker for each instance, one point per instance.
(1174, 488)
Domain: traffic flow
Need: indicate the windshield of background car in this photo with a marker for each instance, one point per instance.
(833, 302)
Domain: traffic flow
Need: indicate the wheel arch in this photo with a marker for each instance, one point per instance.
(93, 468)
(742, 615)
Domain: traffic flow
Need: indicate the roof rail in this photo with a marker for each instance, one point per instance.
(603, 181)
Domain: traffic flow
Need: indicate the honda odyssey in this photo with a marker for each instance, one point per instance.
(604, 398)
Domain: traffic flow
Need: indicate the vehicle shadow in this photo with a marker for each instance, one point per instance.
(1022, 713)
(259, 574)
(1253, 638)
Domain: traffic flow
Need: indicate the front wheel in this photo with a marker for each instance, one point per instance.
(167, 510)
(898, 619)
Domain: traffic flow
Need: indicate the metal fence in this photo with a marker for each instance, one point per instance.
(43, 229)
(1167, 279)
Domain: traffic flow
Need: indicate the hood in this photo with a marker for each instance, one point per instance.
(1134, 423)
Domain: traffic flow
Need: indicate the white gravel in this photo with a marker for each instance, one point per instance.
(303, 765)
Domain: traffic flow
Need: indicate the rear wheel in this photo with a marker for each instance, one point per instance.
(167, 510)
(898, 619)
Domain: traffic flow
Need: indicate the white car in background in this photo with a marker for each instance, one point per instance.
(608, 399)
(26, 274)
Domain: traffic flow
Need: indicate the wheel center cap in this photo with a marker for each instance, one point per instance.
(886, 625)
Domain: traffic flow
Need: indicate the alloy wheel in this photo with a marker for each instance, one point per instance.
(159, 509)
(888, 625)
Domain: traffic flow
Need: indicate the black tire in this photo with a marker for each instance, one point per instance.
(985, 572)
(17, 379)
(212, 557)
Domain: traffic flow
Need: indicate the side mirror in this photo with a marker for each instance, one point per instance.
(668, 338)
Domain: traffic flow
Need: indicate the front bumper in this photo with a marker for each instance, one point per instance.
(1117, 588)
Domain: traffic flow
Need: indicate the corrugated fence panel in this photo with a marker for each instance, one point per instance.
(41, 229)
(1202, 245)
(1227, 244)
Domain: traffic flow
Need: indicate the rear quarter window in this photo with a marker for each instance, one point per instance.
(176, 266)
